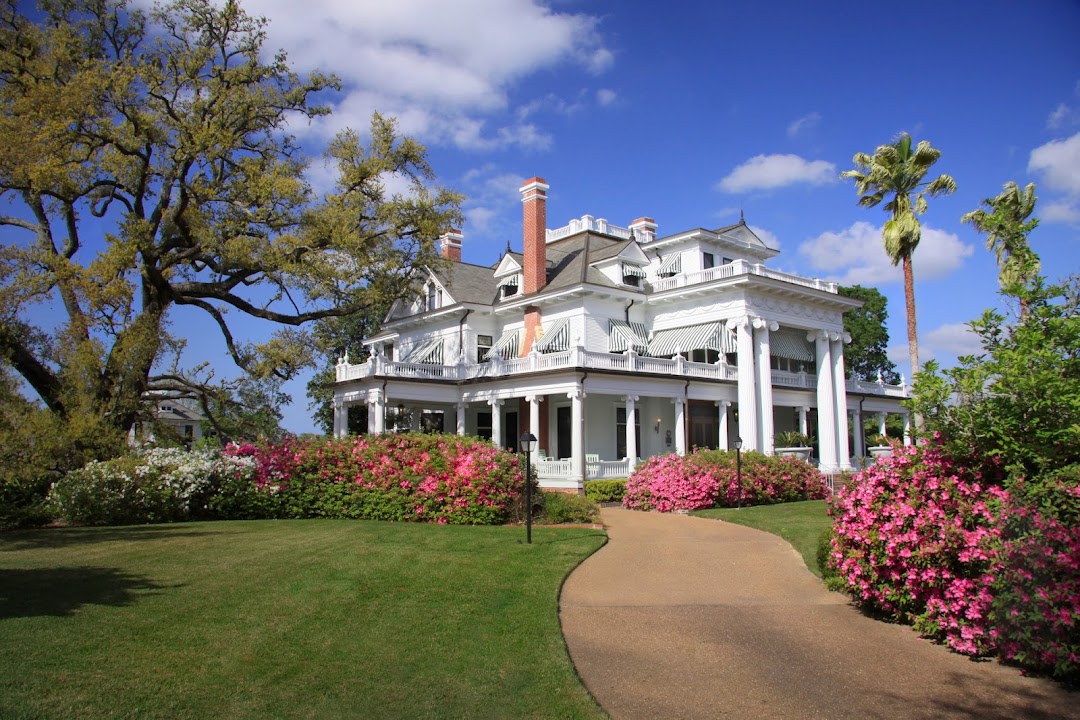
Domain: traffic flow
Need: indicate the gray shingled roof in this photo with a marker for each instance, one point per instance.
(471, 283)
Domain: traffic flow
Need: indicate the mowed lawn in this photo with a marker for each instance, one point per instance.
(800, 523)
(288, 619)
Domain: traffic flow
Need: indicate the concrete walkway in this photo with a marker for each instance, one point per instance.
(681, 617)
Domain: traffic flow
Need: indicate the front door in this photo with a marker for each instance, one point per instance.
(562, 431)
(704, 425)
(510, 431)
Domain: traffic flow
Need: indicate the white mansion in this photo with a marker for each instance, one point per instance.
(611, 344)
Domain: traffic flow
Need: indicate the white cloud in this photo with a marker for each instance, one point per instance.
(1059, 163)
(444, 69)
(606, 97)
(944, 343)
(492, 208)
(1062, 211)
(765, 172)
(856, 255)
(806, 122)
(1060, 116)
(769, 238)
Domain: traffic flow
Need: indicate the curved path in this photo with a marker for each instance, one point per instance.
(682, 617)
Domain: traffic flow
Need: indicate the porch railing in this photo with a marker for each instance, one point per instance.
(596, 470)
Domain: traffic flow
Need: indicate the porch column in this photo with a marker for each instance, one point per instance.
(723, 406)
(339, 411)
(380, 412)
(860, 450)
(840, 387)
(764, 383)
(461, 418)
(748, 424)
(577, 435)
(680, 425)
(803, 426)
(826, 403)
(534, 425)
(414, 418)
(907, 429)
(881, 423)
(496, 422)
(370, 429)
(631, 436)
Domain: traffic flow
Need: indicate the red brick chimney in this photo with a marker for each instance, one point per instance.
(450, 244)
(534, 211)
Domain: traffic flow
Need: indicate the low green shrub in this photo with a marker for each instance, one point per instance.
(562, 508)
(605, 490)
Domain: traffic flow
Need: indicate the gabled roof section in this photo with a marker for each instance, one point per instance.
(510, 264)
(742, 234)
(574, 256)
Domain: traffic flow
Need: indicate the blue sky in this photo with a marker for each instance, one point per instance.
(693, 111)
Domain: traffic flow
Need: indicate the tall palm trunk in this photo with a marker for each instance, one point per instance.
(912, 336)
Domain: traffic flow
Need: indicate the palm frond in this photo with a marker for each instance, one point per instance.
(941, 185)
(872, 200)
(901, 235)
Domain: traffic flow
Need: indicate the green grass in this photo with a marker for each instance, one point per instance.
(800, 523)
(288, 619)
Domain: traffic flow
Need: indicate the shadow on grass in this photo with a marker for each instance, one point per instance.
(60, 592)
(564, 538)
(63, 537)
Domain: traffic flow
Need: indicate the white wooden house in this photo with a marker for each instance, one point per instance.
(611, 344)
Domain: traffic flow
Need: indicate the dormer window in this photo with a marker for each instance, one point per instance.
(632, 274)
(508, 286)
(434, 297)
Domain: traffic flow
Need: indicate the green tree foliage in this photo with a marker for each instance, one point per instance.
(1018, 401)
(866, 357)
(167, 134)
(1006, 224)
(895, 172)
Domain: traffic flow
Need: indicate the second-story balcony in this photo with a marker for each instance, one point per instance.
(574, 358)
(733, 270)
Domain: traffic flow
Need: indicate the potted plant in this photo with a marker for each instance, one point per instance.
(879, 446)
(791, 442)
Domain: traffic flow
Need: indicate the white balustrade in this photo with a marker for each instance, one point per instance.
(735, 269)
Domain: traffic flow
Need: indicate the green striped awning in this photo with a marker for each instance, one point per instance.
(630, 270)
(429, 352)
(510, 280)
(671, 265)
(624, 335)
(556, 337)
(506, 346)
(790, 344)
(706, 336)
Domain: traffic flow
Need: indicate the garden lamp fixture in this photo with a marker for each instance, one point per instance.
(527, 443)
(738, 470)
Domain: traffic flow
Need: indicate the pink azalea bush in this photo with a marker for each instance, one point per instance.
(708, 478)
(915, 537)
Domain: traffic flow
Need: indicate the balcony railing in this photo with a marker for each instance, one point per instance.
(630, 363)
(735, 269)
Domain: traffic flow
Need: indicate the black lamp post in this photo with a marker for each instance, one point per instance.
(738, 469)
(528, 444)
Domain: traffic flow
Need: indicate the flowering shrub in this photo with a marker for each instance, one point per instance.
(705, 478)
(1036, 607)
(427, 478)
(915, 537)
(158, 485)
(605, 490)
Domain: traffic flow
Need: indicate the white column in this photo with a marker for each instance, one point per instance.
(860, 451)
(723, 406)
(826, 404)
(803, 426)
(496, 422)
(764, 383)
(534, 425)
(380, 412)
(577, 435)
(881, 423)
(840, 387)
(748, 423)
(339, 425)
(631, 436)
(370, 417)
(907, 429)
(414, 418)
(461, 418)
(680, 426)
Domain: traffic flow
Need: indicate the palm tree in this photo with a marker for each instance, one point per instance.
(1007, 226)
(896, 171)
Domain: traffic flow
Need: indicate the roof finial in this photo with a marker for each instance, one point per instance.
(742, 218)
(507, 247)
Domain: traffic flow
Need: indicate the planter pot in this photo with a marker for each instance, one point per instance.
(880, 451)
(799, 452)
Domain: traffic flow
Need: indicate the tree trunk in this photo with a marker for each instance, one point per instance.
(912, 336)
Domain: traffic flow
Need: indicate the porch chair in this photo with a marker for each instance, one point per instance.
(592, 457)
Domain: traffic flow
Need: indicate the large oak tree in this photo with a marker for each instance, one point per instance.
(147, 164)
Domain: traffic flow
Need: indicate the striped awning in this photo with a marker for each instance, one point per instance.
(671, 265)
(506, 346)
(790, 344)
(429, 352)
(707, 336)
(556, 337)
(510, 280)
(629, 270)
(624, 335)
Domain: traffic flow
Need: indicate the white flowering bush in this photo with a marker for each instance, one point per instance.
(158, 485)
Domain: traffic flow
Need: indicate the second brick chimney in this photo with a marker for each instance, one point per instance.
(450, 244)
(534, 220)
